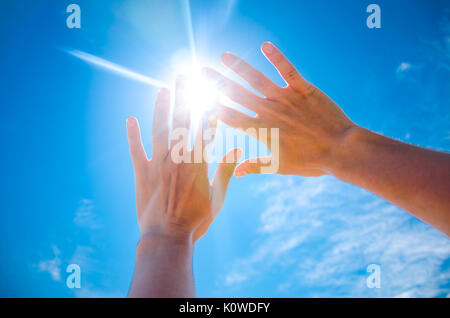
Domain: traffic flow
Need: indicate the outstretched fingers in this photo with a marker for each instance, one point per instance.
(236, 92)
(238, 120)
(255, 78)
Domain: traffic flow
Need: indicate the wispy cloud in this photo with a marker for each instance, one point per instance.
(408, 71)
(92, 292)
(52, 266)
(235, 278)
(321, 234)
(441, 47)
(85, 216)
(403, 67)
(85, 255)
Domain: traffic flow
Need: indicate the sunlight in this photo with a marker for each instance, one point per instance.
(201, 95)
(95, 60)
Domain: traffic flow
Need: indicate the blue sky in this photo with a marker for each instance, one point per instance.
(67, 190)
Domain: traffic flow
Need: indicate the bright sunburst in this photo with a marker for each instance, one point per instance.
(201, 95)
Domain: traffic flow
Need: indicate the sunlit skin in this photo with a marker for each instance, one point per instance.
(175, 203)
(317, 138)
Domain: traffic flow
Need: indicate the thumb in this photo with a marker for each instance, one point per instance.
(222, 178)
(252, 166)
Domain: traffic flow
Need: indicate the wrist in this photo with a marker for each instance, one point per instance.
(347, 150)
(155, 240)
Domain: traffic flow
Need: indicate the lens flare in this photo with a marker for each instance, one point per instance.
(200, 94)
(115, 68)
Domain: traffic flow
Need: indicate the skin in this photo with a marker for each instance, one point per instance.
(176, 202)
(316, 138)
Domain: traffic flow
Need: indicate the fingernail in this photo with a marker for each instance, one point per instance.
(268, 48)
(131, 121)
(228, 58)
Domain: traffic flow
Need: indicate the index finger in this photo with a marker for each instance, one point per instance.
(284, 67)
(236, 92)
(255, 78)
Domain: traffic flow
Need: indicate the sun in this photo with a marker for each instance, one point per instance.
(200, 94)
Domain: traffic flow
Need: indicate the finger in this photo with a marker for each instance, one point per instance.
(222, 177)
(185, 196)
(137, 151)
(205, 136)
(238, 120)
(160, 129)
(235, 91)
(181, 115)
(252, 166)
(284, 67)
(172, 189)
(255, 78)
(311, 172)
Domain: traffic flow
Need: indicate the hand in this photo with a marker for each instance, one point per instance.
(175, 199)
(311, 126)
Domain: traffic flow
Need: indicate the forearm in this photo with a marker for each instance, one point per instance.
(163, 267)
(413, 178)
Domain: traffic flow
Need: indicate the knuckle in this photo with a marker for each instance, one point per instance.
(135, 152)
(291, 74)
(258, 82)
(221, 84)
(312, 90)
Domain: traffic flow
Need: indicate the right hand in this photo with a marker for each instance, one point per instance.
(176, 199)
(311, 126)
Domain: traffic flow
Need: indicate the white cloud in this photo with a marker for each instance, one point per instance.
(52, 266)
(322, 234)
(85, 216)
(91, 292)
(96, 276)
(403, 67)
(83, 258)
(234, 278)
(441, 47)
